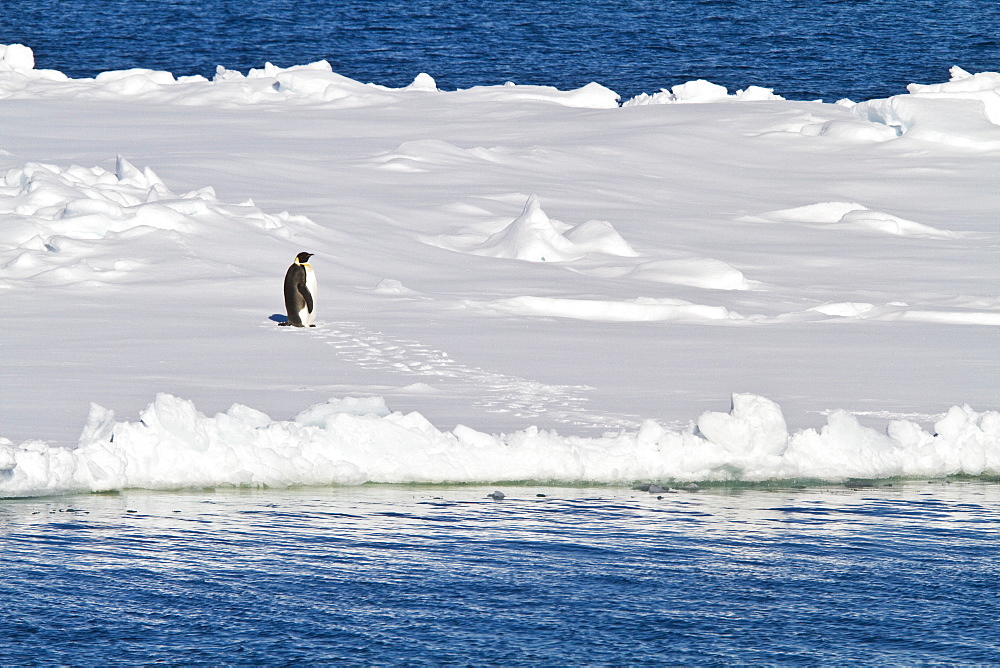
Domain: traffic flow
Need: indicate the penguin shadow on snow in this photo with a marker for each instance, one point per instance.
(282, 320)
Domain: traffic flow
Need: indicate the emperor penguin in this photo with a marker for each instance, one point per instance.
(300, 292)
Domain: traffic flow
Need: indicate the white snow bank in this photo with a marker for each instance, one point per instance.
(534, 237)
(349, 442)
(312, 83)
(591, 96)
(983, 87)
(854, 130)
(74, 224)
(853, 217)
(964, 112)
(701, 91)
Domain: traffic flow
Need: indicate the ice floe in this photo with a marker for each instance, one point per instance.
(759, 246)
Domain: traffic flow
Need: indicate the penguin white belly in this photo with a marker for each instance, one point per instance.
(305, 317)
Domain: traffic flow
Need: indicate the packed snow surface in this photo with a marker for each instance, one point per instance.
(500, 256)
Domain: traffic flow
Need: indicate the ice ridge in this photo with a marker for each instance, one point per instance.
(353, 441)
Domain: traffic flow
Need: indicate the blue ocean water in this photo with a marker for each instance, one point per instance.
(904, 574)
(804, 49)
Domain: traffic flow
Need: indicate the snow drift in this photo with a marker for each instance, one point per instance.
(353, 441)
(534, 237)
(963, 113)
(80, 225)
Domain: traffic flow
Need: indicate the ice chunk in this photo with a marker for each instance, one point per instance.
(754, 425)
(16, 58)
(700, 92)
(320, 414)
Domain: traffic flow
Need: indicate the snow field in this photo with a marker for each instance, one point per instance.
(497, 256)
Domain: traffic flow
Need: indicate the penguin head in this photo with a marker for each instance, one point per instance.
(302, 258)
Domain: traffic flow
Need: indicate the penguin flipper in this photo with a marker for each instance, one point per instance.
(304, 291)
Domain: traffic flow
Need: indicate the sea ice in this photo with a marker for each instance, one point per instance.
(826, 256)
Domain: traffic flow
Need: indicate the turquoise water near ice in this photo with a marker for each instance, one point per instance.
(901, 574)
(804, 49)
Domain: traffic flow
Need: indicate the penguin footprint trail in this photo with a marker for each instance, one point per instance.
(495, 392)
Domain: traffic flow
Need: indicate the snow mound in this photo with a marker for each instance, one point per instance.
(300, 84)
(845, 309)
(857, 130)
(695, 272)
(418, 156)
(952, 317)
(851, 216)
(534, 237)
(983, 87)
(16, 58)
(345, 442)
(700, 92)
(591, 96)
(74, 224)
(642, 309)
(963, 112)
(895, 312)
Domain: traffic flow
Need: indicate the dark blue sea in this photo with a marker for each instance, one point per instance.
(901, 574)
(804, 49)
